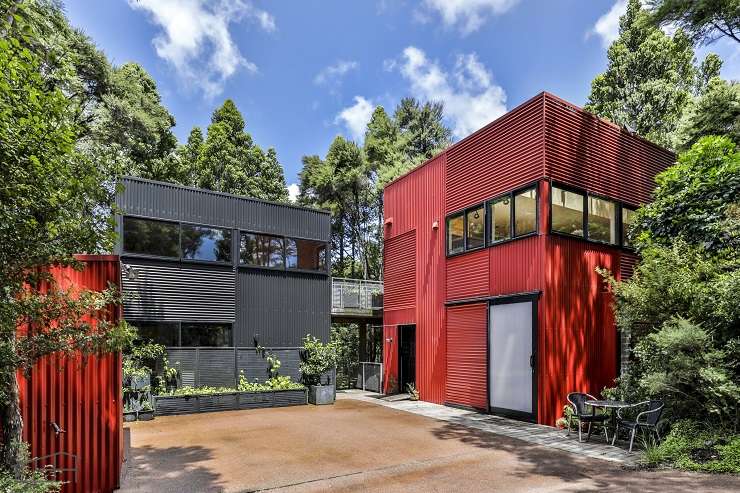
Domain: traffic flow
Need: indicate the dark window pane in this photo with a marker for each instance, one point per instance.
(476, 227)
(500, 219)
(455, 231)
(206, 334)
(151, 237)
(165, 333)
(602, 220)
(525, 212)
(628, 218)
(261, 250)
(305, 254)
(567, 211)
(204, 243)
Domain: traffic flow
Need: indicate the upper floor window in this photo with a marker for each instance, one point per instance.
(455, 234)
(206, 243)
(628, 219)
(499, 213)
(525, 212)
(475, 222)
(261, 250)
(602, 220)
(151, 237)
(305, 254)
(206, 334)
(567, 212)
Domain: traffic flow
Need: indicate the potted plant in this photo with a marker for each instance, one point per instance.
(317, 359)
(129, 414)
(146, 413)
(413, 393)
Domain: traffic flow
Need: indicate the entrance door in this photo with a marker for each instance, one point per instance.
(407, 356)
(512, 360)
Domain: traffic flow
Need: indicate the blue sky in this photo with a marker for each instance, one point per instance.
(302, 72)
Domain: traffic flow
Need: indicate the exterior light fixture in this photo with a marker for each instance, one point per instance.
(476, 215)
(435, 225)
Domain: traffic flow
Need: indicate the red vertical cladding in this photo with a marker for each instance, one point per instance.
(578, 333)
(81, 395)
(414, 204)
(466, 359)
(593, 154)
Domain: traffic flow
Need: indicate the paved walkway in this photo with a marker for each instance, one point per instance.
(535, 434)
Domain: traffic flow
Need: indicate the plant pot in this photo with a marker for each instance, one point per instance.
(129, 416)
(321, 394)
(146, 415)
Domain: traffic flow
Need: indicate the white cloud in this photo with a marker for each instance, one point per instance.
(356, 117)
(468, 15)
(334, 73)
(470, 97)
(195, 38)
(293, 191)
(607, 26)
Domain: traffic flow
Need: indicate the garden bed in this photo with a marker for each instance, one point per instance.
(166, 405)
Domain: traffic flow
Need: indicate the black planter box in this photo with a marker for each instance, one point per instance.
(172, 405)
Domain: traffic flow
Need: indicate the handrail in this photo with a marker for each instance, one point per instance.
(356, 295)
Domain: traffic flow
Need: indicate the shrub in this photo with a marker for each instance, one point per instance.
(316, 359)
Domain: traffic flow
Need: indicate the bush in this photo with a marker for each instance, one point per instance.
(34, 482)
(691, 445)
(316, 359)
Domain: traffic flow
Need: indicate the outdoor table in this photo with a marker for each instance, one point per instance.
(610, 406)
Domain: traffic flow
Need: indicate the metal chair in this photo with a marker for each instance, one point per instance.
(577, 400)
(646, 420)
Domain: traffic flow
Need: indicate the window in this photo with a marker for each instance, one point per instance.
(628, 218)
(567, 212)
(206, 334)
(500, 219)
(165, 333)
(261, 250)
(150, 237)
(602, 220)
(305, 254)
(204, 243)
(525, 212)
(476, 228)
(455, 234)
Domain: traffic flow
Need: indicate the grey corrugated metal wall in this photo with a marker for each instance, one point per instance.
(174, 202)
(173, 292)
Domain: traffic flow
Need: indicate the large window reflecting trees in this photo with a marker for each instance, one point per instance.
(206, 243)
(151, 237)
(261, 250)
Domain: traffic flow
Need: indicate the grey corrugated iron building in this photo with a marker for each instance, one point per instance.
(211, 275)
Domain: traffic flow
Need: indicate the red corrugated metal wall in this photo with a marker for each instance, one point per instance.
(416, 202)
(467, 275)
(81, 395)
(466, 355)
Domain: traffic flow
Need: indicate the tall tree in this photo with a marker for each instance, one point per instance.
(231, 162)
(704, 20)
(52, 204)
(132, 120)
(714, 112)
(189, 154)
(420, 124)
(649, 79)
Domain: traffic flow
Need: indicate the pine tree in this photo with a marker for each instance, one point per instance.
(189, 154)
(649, 79)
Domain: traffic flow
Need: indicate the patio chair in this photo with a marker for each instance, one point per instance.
(577, 400)
(645, 420)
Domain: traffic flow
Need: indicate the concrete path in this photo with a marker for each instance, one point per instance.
(547, 436)
(356, 446)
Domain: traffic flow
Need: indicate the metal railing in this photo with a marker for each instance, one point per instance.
(371, 376)
(356, 296)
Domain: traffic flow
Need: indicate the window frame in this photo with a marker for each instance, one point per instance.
(512, 214)
(305, 271)
(617, 219)
(179, 324)
(584, 212)
(468, 210)
(254, 266)
(489, 229)
(284, 268)
(126, 253)
(449, 217)
(202, 261)
(629, 207)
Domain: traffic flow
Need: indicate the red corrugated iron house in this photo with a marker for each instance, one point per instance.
(491, 296)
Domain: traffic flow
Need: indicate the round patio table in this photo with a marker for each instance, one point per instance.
(611, 406)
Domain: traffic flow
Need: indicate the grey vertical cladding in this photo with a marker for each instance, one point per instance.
(175, 292)
(216, 367)
(256, 369)
(278, 309)
(185, 361)
(177, 203)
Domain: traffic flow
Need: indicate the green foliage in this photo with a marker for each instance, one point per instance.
(649, 80)
(696, 200)
(317, 358)
(694, 446)
(33, 482)
(704, 20)
(244, 385)
(229, 161)
(346, 341)
(716, 111)
(412, 392)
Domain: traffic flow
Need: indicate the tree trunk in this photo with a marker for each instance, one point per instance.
(11, 457)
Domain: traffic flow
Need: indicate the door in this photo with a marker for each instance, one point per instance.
(512, 325)
(407, 356)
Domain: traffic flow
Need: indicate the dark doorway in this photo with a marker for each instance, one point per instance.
(406, 356)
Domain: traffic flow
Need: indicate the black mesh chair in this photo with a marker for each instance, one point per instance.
(646, 419)
(584, 413)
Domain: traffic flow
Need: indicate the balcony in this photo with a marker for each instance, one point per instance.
(356, 298)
